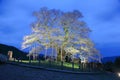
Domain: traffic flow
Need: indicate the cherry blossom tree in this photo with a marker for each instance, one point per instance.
(63, 31)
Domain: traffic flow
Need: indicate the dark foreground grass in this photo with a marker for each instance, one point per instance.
(12, 72)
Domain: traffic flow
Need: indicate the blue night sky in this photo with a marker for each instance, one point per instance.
(102, 16)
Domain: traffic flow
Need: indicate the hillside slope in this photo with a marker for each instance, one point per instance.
(16, 52)
(109, 59)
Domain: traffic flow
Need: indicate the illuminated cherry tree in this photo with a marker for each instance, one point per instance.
(63, 31)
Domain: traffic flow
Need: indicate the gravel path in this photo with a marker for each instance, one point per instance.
(12, 72)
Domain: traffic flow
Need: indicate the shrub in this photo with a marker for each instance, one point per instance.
(108, 66)
(3, 59)
(117, 62)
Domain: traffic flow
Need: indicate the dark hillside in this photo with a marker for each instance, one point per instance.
(16, 52)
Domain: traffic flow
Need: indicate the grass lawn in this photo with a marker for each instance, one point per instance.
(52, 64)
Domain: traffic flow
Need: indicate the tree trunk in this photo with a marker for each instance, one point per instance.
(56, 53)
(61, 54)
(52, 57)
(45, 52)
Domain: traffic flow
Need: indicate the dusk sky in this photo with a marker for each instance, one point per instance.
(102, 16)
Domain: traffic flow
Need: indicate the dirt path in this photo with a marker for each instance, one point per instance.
(11, 72)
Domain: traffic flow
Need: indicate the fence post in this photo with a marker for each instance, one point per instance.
(29, 60)
(21, 60)
(39, 61)
(38, 58)
(89, 67)
(62, 65)
(18, 59)
(82, 66)
(92, 66)
(73, 66)
(50, 62)
(96, 67)
(14, 59)
(85, 66)
(79, 65)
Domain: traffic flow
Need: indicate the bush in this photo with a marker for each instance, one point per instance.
(108, 66)
(117, 62)
(3, 59)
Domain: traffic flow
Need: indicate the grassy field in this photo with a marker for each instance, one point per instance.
(52, 64)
